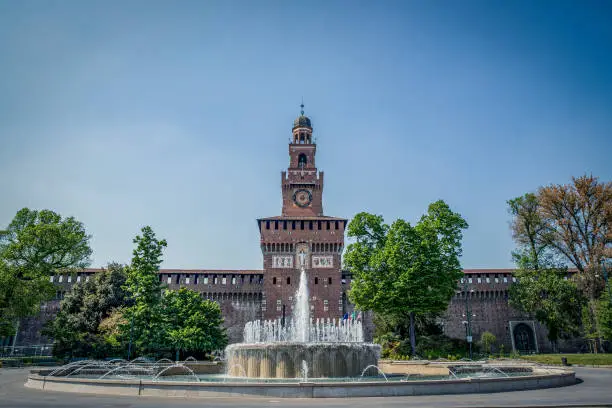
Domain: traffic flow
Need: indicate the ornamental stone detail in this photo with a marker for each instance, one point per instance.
(326, 261)
(282, 261)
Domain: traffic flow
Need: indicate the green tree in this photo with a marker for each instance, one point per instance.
(76, 328)
(145, 289)
(570, 223)
(542, 288)
(191, 323)
(487, 339)
(403, 271)
(36, 245)
(551, 299)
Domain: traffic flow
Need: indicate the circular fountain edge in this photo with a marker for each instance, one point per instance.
(543, 377)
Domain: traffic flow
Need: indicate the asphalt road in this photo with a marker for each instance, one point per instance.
(595, 389)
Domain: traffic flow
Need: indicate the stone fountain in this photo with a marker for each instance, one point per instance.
(302, 347)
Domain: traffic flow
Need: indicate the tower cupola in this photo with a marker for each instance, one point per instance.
(302, 128)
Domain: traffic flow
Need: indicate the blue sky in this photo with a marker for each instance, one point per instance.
(177, 114)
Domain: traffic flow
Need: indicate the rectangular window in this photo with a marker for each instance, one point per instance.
(69, 278)
(290, 298)
(61, 278)
(275, 225)
(513, 279)
(51, 278)
(196, 279)
(479, 280)
(310, 225)
(319, 225)
(505, 280)
(326, 302)
(178, 278)
(78, 278)
(223, 280)
(301, 224)
(267, 224)
(327, 225)
(469, 280)
(462, 280)
(215, 280)
(284, 225)
(206, 280)
(488, 280)
(278, 308)
(337, 225)
(87, 278)
(278, 301)
(233, 280)
(292, 225)
(496, 280)
(187, 280)
(169, 279)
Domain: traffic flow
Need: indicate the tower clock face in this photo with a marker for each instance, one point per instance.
(302, 197)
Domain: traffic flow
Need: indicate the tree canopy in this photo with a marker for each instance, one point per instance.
(78, 328)
(403, 270)
(35, 245)
(191, 323)
(556, 226)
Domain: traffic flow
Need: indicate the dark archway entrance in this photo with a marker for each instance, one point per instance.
(524, 339)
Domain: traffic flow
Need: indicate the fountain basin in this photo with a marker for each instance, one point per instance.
(541, 377)
(285, 359)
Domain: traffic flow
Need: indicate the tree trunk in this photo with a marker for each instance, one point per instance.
(177, 354)
(412, 335)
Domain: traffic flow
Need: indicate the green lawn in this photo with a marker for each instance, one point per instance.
(586, 359)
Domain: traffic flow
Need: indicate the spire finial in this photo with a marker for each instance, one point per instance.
(302, 106)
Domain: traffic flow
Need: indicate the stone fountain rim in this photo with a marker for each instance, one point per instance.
(542, 378)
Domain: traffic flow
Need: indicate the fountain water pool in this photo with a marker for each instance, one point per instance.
(326, 347)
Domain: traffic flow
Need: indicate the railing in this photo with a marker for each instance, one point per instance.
(26, 351)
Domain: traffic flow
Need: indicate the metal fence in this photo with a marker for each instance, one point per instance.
(36, 350)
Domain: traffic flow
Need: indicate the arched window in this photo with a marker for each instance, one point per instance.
(302, 160)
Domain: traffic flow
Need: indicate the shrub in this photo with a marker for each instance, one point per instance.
(487, 339)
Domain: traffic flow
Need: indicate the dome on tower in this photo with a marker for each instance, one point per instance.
(302, 120)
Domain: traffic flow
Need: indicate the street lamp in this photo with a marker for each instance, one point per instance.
(468, 316)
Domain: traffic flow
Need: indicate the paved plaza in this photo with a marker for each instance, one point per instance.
(593, 389)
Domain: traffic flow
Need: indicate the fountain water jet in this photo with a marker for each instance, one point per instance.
(279, 349)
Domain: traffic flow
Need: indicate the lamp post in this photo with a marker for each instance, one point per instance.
(468, 316)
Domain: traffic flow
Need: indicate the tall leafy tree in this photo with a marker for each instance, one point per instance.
(572, 224)
(145, 290)
(403, 271)
(191, 323)
(542, 288)
(35, 245)
(76, 328)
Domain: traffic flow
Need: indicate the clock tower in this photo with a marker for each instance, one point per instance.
(302, 235)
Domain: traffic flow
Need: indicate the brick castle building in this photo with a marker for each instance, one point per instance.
(302, 233)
